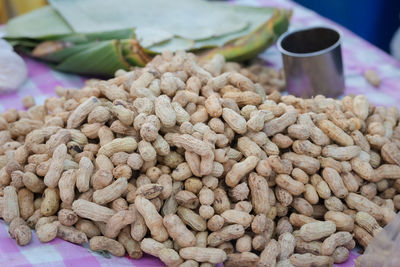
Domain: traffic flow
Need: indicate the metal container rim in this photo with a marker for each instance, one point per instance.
(311, 54)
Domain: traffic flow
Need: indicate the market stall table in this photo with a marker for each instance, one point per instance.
(358, 56)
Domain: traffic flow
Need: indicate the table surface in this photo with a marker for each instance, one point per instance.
(358, 55)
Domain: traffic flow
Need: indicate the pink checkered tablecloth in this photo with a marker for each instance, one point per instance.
(358, 56)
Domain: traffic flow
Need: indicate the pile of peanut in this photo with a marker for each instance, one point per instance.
(199, 163)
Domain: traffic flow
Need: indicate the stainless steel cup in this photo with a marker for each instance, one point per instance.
(312, 60)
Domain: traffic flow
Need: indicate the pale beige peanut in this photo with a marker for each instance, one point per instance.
(335, 182)
(126, 144)
(361, 106)
(287, 243)
(152, 218)
(131, 246)
(118, 221)
(313, 247)
(92, 211)
(111, 192)
(47, 232)
(25, 203)
(361, 203)
(84, 174)
(212, 255)
(227, 233)
(15, 223)
(151, 246)
(306, 163)
(33, 183)
(191, 144)
(178, 231)
(165, 111)
(243, 244)
(56, 166)
(362, 168)
(237, 217)
(386, 171)
(192, 219)
(341, 153)
(71, 234)
(317, 230)
(335, 240)
(234, 120)
(170, 257)
(335, 133)
(98, 243)
(82, 111)
(241, 259)
(269, 254)
(368, 222)
(277, 125)
(343, 221)
(259, 193)
(240, 169)
(51, 202)
(310, 260)
(288, 183)
(362, 237)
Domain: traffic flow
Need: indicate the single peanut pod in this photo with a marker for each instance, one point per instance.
(340, 254)
(310, 260)
(88, 227)
(152, 218)
(310, 194)
(238, 217)
(317, 230)
(47, 232)
(92, 211)
(118, 221)
(386, 171)
(33, 183)
(25, 203)
(239, 170)
(288, 183)
(269, 254)
(111, 192)
(99, 243)
(131, 246)
(81, 112)
(15, 223)
(335, 240)
(170, 257)
(244, 259)
(234, 120)
(341, 153)
(227, 233)
(243, 244)
(126, 144)
(368, 222)
(343, 221)
(71, 234)
(350, 181)
(277, 125)
(221, 200)
(313, 247)
(164, 111)
(287, 244)
(50, 203)
(192, 219)
(84, 174)
(361, 203)
(211, 255)
(178, 231)
(362, 168)
(335, 133)
(56, 166)
(335, 182)
(361, 106)
(23, 235)
(259, 193)
(308, 164)
(302, 206)
(362, 236)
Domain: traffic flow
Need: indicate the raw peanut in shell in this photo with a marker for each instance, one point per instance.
(238, 217)
(25, 203)
(92, 211)
(84, 174)
(227, 233)
(152, 218)
(317, 230)
(178, 231)
(51, 202)
(308, 260)
(67, 217)
(335, 240)
(335, 182)
(82, 111)
(47, 232)
(70, 234)
(33, 183)
(211, 255)
(15, 223)
(23, 235)
(269, 254)
(361, 203)
(56, 166)
(343, 221)
(126, 144)
(170, 257)
(239, 170)
(118, 221)
(286, 182)
(259, 193)
(111, 192)
(234, 120)
(98, 243)
(131, 246)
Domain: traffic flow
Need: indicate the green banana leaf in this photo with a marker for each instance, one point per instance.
(99, 37)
